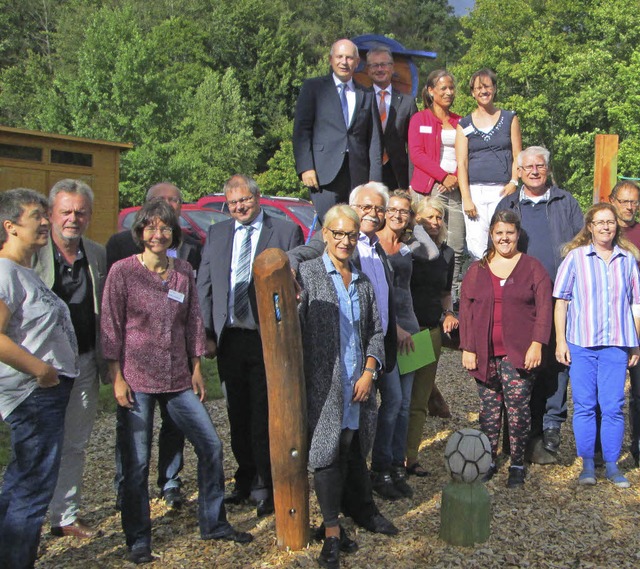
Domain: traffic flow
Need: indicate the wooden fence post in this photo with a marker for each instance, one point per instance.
(606, 166)
(282, 348)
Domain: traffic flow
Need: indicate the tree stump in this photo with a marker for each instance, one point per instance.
(465, 514)
(282, 348)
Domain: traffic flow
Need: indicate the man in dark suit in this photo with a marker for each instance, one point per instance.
(227, 298)
(392, 111)
(171, 439)
(336, 142)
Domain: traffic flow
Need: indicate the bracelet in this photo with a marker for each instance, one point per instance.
(446, 312)
(373, 372)
(514, 182)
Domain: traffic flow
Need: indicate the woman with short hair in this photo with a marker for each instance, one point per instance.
(153, 338)
(38, 359)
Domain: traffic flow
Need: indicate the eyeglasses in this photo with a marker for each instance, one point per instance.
(604, 222)
(402, 212)
(234, 203)
(628, 203)
(369, 208)
(166, 231)
(530, 167)
(340, 235)
(379, 65)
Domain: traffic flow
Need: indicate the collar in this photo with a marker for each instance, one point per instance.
(525, 198)
(362, 238)
(331, 269)
(60, 257)
(349, 84)
(591, 251)
(256, 223)
(388, 89)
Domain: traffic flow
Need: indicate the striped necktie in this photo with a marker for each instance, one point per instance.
(243, 277)
(382, 108)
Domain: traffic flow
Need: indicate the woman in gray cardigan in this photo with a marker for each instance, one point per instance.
(343, 349)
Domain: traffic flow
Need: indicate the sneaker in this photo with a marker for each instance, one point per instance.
(140, 555)
(551, 439)
(587, 477)
(493, 469)
(383, 486)
(619, 480)
(173, 498)
(399, 477)
(516, 477)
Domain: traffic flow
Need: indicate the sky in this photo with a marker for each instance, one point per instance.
(461, 7)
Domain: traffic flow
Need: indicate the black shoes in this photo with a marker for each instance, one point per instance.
(265, 507)
(416, 469)
(140, 556)
(236, 536)
(516, 477)
(383, 485)
(380, 524)
(347, 545)
(551, 439)
(330, 554)
(236, 497)
(399, 477)
(490, 473)
(173, 498)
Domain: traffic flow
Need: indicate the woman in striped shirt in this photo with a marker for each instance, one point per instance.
(597, 316)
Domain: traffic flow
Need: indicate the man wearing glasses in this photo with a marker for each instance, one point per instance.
(625, 197)
(230, 313)
(392, 111)
(550, 218)
(336, 143)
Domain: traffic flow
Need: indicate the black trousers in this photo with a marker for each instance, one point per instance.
(345, 485)
(389, 177)
(335, 192)
(242, 373)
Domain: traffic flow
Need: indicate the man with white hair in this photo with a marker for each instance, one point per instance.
(74, 267)
(550, 218)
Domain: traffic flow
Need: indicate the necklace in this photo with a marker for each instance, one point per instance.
(162, 272)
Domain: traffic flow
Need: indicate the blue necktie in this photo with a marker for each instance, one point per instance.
(343, 102)
(243, 276)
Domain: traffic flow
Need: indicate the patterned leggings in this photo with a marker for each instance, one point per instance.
(510, 389)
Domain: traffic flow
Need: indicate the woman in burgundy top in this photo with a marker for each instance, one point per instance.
(152, 338)
(505, 318)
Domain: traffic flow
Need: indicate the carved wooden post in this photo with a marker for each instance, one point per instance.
(282, 347)
(606, 166)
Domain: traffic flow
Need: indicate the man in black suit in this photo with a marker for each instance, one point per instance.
(171, 439)
(336, 142)
(392, 111)
(227, 298)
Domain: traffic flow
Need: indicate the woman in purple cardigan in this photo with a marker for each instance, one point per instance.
(152, 339)
(505, 318)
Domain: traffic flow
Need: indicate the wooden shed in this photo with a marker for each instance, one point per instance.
(37, 160)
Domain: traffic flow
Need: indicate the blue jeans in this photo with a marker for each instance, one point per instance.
(37, 428)
(597, 378)
(192, 418)
(390, 444)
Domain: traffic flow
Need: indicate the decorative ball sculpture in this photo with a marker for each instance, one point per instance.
(467, 455)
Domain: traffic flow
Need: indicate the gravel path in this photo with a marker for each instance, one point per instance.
(550, 523)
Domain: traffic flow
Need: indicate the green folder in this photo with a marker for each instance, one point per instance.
(422, 356)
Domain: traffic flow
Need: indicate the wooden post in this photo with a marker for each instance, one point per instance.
(606, 166)
(465, 514)
(282, 348)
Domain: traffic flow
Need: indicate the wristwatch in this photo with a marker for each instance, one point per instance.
(373, 372)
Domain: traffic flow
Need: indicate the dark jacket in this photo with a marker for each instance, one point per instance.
(565, 220)
(526, 312)
(319, 312)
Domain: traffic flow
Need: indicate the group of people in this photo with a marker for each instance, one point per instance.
(549, 292)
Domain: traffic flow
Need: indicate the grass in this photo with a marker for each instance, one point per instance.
(107, 404)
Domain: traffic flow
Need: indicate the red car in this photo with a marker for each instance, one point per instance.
(296, 210)
(193, 219)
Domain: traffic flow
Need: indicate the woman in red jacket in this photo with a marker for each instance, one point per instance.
(432, 135)
(505, 318)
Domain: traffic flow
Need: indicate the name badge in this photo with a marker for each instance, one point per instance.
(424, 129)
(404, 249)
(175, 295)
(467, 130)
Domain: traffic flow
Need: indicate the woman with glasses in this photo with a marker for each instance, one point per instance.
(153, 338)
(389, 448)
(505, 319)
(488, 142)
(597, 316)
(340, 372)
